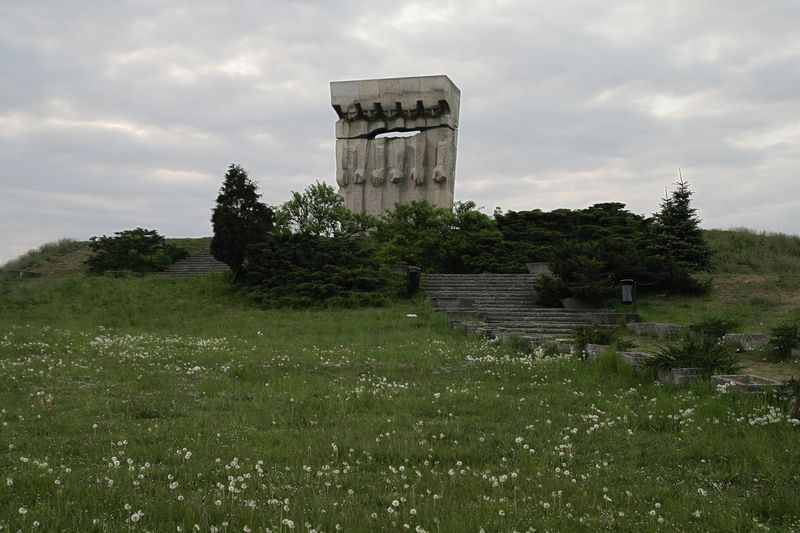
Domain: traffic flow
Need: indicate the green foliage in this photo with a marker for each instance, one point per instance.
(302, 270)
(461, 240)
(715, 328)
(782, 339)
(707, 353)
(550, 290)
(594, 334)
(591, 250)
(239, 219)
(792, 388)
(320, 211)
(137, 250)
(42, 254)
(598, 334)
(676, 231)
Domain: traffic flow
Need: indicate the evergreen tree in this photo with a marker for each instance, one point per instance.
(676, 228)
(239, 219)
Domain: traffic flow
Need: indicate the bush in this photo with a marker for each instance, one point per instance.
(550, 291)
(597, 334)
(714, 328)
(706, 353)
(137, 250)
(782, 339)
(297, 270)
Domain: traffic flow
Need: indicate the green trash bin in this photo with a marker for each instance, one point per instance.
(628, 291)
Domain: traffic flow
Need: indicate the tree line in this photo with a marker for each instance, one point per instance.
(311, 250)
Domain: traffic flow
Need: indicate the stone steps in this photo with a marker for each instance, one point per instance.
(199, 264)
(504, 305)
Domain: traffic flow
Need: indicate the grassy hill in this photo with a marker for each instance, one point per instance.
(755, 282)
(67, 257)
(152, 403)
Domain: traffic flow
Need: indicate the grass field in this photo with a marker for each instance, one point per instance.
(163, 405)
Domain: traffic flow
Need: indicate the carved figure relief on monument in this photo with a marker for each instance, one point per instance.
(373, 172)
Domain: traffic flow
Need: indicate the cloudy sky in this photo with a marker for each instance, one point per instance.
(117, 114)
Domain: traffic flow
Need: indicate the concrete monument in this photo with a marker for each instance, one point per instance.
(375, 172)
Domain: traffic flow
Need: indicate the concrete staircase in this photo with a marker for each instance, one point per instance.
(502, 305)
(199, 264)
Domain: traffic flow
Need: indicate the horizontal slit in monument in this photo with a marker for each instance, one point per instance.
(397, 133)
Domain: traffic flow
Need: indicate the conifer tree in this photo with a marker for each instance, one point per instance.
(239, 219)
(677, 234)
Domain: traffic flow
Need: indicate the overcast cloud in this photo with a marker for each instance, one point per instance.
(127, 113)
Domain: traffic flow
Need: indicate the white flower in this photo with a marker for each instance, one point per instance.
(135, 517)
(288, 523)
(23, 510)
(395, 503)
(697, 514)
(173, 485)
(519, 440)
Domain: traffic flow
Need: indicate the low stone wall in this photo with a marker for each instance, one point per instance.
(746, 384)
(656, 329)
(748, 341)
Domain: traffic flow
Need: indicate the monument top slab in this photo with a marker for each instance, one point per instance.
(349, 98)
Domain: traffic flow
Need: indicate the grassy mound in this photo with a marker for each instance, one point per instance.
(755, 283)
(68, 257)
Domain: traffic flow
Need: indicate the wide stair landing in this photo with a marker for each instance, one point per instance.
(503, 305)
(199, 264)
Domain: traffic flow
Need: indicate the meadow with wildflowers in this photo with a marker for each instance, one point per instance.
(152, 404)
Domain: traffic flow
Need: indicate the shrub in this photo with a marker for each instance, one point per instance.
(593, 334)
(704, 352)
(137, 250)
(715, 328)
(297, 270)
(239, 219)
(782, 339)
(597, 334)
(550, 290)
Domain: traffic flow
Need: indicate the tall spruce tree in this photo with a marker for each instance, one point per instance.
(677, 235)
(239, 219)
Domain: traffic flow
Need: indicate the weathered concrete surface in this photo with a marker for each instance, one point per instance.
(662, 331)
(681, 376)
(748, 341)
(746, 384)
(373, 173)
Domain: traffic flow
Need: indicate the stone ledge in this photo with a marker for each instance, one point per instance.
(660, 330)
